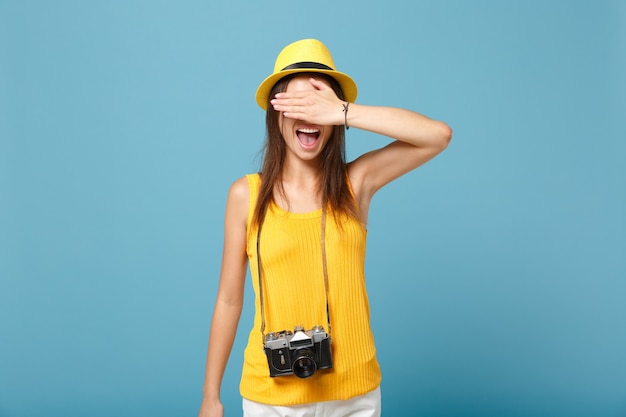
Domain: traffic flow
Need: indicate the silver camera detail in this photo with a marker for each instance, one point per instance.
(301, 352)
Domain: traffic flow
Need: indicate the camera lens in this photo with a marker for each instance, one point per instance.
(305, 364)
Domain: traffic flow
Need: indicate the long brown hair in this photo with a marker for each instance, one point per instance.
(333, 186)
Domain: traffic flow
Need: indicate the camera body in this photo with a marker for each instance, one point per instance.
(301, 352)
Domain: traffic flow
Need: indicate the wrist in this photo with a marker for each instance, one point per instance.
(211, 395)
(346, 106)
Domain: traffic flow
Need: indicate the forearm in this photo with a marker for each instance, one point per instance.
(222, 336)
(400, 124)
(322, 106)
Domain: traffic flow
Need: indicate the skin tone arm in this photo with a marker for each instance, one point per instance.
(417, 137)
(229, 302)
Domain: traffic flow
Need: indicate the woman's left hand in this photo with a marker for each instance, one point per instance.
(318, 104)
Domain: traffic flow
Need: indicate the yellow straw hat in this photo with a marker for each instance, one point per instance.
(307, 55)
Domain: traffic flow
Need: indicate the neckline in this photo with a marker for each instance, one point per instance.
(317, 213)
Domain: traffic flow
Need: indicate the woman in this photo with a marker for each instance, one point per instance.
(300, 224)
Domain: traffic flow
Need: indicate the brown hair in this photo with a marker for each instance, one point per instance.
(334, 181)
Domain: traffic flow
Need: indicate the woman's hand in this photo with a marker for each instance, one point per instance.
(313, 102)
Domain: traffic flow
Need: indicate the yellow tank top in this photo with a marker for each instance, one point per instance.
(294, 294)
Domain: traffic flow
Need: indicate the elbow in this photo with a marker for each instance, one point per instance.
(444, 135)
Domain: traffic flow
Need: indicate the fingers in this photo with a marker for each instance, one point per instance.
(285, 106)
(295, 102)
(319, 85)
(292, 97)
(317, 105)
(296, 116)
(282, 99)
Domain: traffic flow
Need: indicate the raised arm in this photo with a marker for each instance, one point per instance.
(417, 140)
(229, 301)
(417, 137)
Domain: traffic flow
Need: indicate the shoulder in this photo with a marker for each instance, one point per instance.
(239, 191)
(238, 199)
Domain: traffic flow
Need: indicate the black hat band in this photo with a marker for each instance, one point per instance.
(307, 65)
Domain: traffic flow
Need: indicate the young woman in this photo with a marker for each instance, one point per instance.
(300, 225)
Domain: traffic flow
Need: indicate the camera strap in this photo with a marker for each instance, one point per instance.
(258, 257)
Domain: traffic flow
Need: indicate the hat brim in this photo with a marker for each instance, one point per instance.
(347, 84)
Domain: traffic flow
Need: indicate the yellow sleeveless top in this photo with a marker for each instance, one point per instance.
(294, 294)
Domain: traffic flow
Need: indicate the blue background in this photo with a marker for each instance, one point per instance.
(497, 272)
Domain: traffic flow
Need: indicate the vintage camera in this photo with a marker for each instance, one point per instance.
(301, 352)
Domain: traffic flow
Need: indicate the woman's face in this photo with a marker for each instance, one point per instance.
(304, 140)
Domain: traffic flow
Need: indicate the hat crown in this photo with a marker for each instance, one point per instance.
(305, 56)
(305, 50)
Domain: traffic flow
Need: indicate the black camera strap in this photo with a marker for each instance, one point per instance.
(258, 257)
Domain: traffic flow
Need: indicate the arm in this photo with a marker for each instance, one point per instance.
(417, 137)
(229, 302)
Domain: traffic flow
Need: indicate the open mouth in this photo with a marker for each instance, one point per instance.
(308, 137)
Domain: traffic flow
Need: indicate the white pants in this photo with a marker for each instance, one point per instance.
(367, 405)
